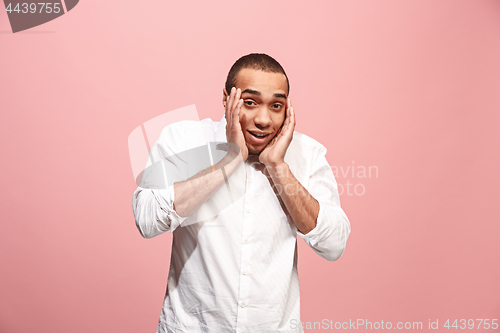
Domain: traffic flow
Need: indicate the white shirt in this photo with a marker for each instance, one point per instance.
(234, 262)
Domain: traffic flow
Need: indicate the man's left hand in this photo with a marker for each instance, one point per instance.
(274, 153)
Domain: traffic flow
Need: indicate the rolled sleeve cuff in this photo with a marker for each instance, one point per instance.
(167, 206)
(314, 236)
(329, 237)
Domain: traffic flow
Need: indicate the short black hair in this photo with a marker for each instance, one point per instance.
(259, 61)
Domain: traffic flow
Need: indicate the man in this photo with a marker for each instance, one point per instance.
(234, 251)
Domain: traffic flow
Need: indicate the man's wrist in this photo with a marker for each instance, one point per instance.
(278, 169)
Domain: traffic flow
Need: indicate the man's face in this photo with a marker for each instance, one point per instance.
(264, 97)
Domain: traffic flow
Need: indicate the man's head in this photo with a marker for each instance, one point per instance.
(265, 87)
(259, 61)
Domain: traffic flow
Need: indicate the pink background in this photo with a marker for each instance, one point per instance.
(410, 87)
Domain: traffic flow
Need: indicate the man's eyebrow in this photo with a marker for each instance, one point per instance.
(257, 93)
(250, 91)
(280, 95)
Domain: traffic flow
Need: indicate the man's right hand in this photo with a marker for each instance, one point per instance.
(234, 133)
(196, 190)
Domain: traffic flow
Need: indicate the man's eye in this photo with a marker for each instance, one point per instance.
(277, 106)
(250, 103)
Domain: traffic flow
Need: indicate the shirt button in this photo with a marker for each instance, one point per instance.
(248, 210)
(245, 272)
(243, 304)
(246, 241)
(249, 180)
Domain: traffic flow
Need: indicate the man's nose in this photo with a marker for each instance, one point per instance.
(263, 118)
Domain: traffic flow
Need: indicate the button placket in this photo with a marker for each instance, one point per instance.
(244, 288)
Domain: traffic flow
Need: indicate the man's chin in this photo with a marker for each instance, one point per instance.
(253, 151)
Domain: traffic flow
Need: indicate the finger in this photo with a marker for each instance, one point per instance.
(228, 116)
(292, 116)
(236, 114)
(291, 121)
(288, 106)
(236, 110)
(226, 111)
(287, 118)
(237, 96)
(231, 99)
(226, 107)
(230, 105)
(289, 125)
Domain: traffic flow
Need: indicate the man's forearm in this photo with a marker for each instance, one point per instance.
(192, 193)
(301, 205)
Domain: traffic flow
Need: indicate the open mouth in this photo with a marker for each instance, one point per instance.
(258, 135)
(257, 138)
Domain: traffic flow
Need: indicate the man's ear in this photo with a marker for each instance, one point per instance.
(224, 96)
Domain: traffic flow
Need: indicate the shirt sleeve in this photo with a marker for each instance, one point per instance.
(328, 239)
(152, 201)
